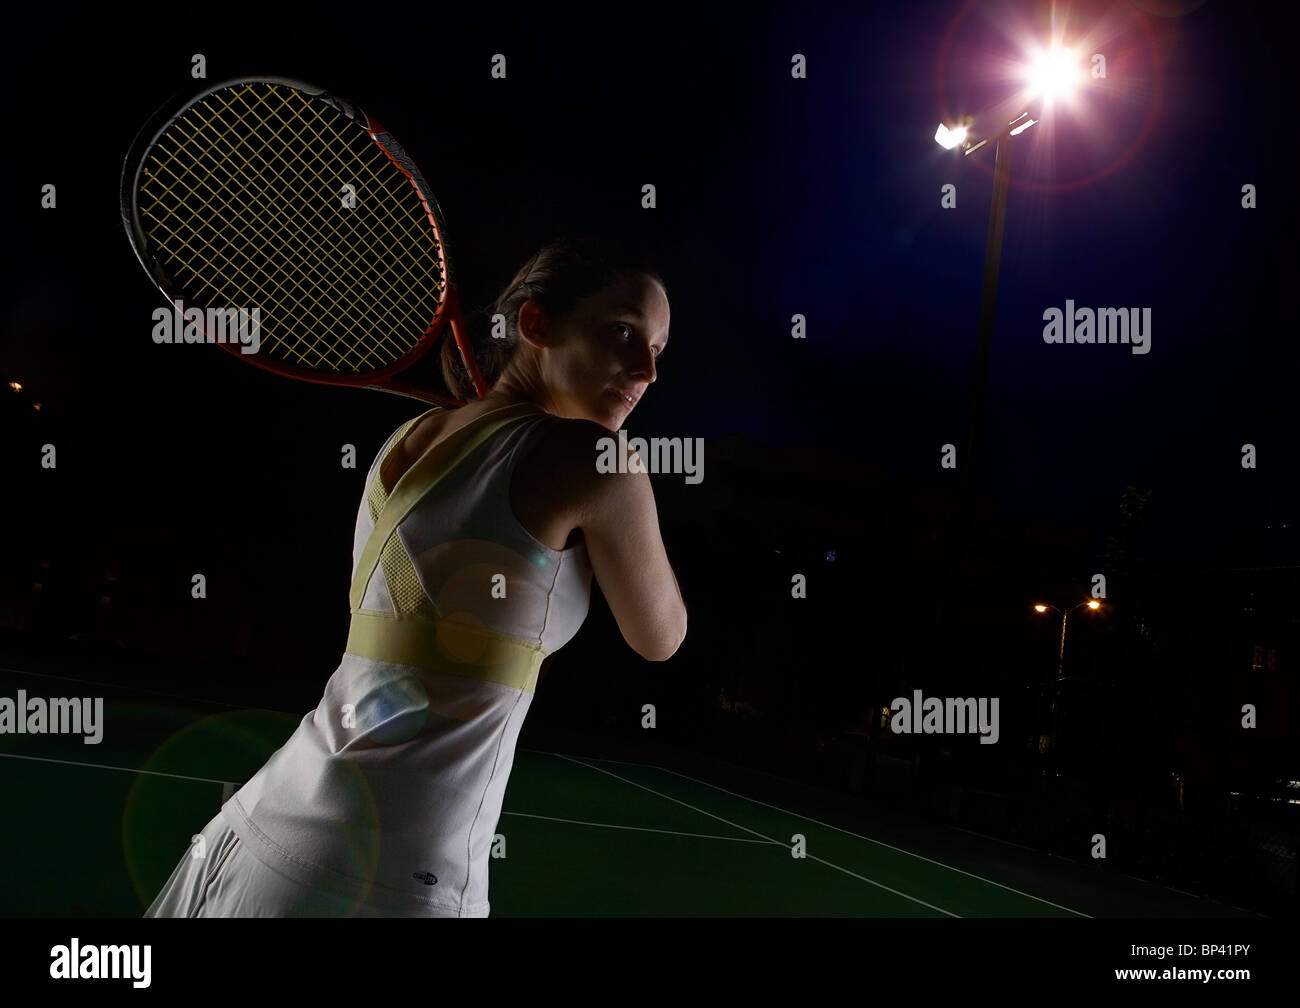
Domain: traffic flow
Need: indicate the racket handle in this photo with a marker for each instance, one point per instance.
(463, 344)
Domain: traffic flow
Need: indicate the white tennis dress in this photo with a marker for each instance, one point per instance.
(385, 800)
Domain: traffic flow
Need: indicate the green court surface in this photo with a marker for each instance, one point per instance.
(95, 830)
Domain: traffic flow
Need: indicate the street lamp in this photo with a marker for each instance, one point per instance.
(1042, 607)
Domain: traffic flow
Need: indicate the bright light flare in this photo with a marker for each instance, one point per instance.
(1040, 608)
(948, 139)
(1094, 605)
(1053, 74)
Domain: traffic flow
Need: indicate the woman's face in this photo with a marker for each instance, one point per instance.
(597, 361)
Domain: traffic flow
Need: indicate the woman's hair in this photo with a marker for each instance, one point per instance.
(557, 277)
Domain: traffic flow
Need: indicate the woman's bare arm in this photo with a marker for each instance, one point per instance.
(618, 518)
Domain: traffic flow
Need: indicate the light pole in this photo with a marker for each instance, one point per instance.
(1051, 74)
(1042, 607)
(989, 288)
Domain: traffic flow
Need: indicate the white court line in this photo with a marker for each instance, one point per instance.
(100, 766)
(848, 832)
(642, 829)
(828, 864)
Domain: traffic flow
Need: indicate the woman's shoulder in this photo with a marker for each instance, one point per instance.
(561, 465)
(576, 442)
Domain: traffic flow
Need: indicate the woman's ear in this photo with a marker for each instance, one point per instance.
(532, 323)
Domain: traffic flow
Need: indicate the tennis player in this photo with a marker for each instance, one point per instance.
(476, 540)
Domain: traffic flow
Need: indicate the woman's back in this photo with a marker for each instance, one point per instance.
(546, 509)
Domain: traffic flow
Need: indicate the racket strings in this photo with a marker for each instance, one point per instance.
(301, 266)
(397, 188)
(307, 269)
(208, 268)
(243, 197)
(256, 233)
(315, 268)
(284, 211)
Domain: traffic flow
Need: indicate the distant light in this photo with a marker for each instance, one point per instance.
(1040, 608)
(16, 386)
(1094, 605)
(36, 406)
(948, 139)
(830, 556)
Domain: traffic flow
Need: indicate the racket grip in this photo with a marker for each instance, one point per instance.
(463, 344)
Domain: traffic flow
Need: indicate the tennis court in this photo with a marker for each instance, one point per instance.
(95, 830)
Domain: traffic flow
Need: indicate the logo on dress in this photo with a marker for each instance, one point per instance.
(428, 878)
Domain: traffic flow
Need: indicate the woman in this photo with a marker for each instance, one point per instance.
(475, 544)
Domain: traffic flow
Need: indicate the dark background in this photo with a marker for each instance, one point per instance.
(776, 196)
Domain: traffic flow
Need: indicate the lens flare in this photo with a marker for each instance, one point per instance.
(1053, 74)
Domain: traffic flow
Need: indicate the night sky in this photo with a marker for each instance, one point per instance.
(776, 196)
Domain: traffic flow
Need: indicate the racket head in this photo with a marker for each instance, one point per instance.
(270, 193)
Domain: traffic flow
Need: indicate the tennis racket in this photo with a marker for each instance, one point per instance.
(269, 194)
